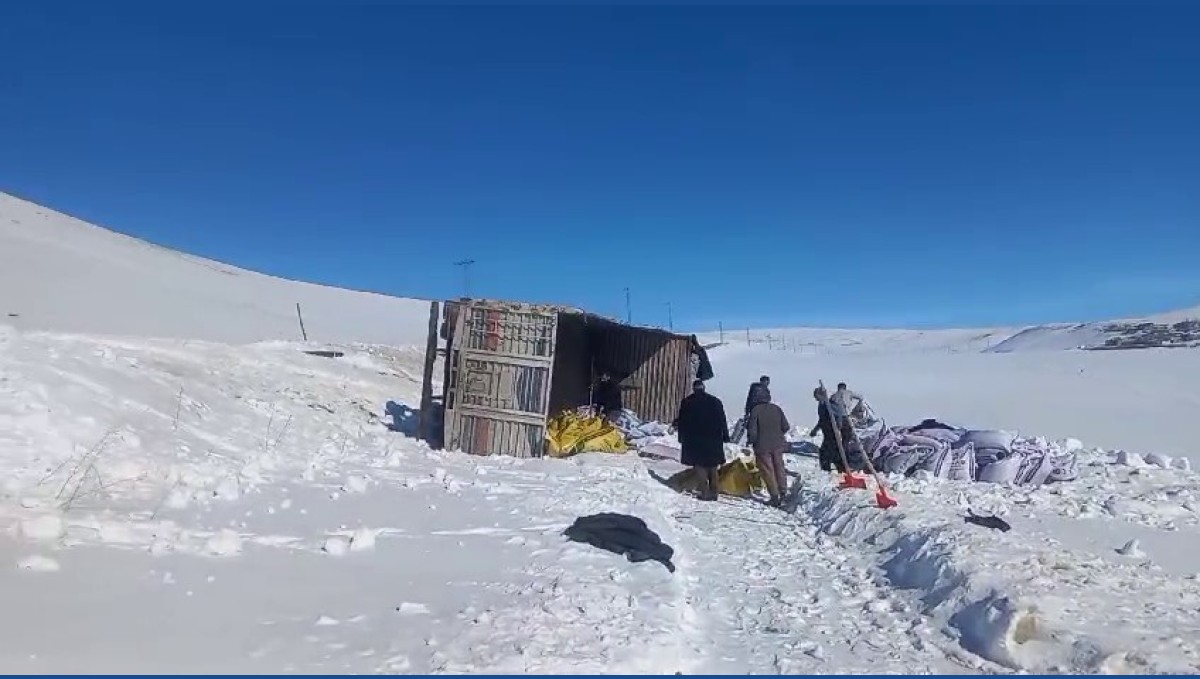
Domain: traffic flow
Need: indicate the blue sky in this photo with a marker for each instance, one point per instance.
(854, 165)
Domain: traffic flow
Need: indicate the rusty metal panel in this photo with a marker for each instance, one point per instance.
(657, 366)
(503, 385)
(480, 435)
(510, 332)
(498, 392)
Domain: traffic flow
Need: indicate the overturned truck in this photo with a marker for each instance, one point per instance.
(508, 368)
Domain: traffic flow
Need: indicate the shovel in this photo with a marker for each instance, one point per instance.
(851, 481)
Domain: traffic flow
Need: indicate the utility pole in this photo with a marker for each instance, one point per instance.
(670, 318)
(628, 309)
(466, 267)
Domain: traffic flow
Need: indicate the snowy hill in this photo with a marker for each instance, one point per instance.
(58, 273)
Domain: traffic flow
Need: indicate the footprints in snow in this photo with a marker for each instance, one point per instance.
(794, 600)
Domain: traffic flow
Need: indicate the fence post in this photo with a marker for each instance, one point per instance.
(721, 329)
(747, 336)
(425, 414)
(303, 333)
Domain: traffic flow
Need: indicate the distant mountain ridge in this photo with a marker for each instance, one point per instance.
(62, 274)
(1178, 329)
(1175, 329)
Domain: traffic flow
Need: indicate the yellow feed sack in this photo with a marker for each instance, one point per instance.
(739, 477)
(571, 433)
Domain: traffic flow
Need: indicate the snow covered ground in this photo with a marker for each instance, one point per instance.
(62, 274)
(1143, 401)
(208, 507)
(1100, 574)
(180, 495)
(173, 504)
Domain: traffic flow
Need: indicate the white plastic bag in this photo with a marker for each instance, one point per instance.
(988, 438)
(962, 464)
(1064, 467)
(1000, 471)
(985, 456)
(938, 461)
(902, 459)
(1034, 469)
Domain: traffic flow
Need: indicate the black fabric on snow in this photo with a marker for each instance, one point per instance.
(621, 534)
(931, 424)
(703, 430)
(993, 522)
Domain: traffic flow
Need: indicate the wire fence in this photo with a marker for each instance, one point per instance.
(805, 342)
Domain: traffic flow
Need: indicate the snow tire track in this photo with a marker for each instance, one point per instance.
(779, 597)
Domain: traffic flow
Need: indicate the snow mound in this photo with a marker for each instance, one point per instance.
(1036, 598)
(47, 527)
(225, 543)
(363, 539)
(39, 564)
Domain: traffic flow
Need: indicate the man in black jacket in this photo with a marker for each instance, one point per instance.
(607, 398)
(762, 386)
(829, 456)
(703, 433)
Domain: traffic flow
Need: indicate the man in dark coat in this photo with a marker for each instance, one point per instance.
(703, 433)
(762, 386)
(765, 430)
(607, 398)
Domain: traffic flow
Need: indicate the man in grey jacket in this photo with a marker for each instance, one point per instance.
(843, 399)
(765, 431)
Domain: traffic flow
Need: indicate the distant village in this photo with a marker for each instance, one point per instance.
(1146, 335)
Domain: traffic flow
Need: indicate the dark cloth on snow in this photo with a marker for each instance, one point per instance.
(755, 395)
(765, 428)
(607, 396)
(703, 430)
(993, 522)
(931, 424)
(621, 534)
